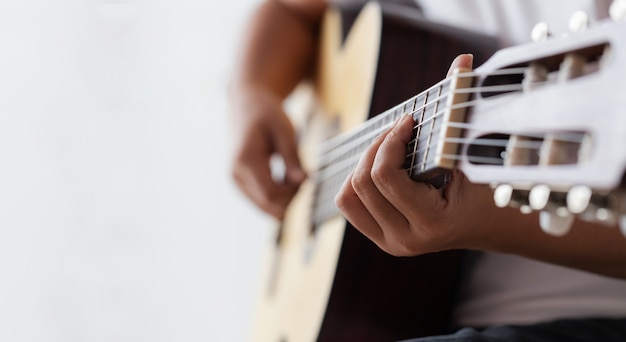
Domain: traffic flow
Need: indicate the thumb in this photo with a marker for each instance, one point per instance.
(285, 145)
(461, 62)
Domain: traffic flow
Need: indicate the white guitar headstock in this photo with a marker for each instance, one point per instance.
(548, 126)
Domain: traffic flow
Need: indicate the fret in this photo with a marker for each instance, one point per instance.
(430, 106)
(435, 93)
(424, 130)
(418, 116)
(388, 116)
(383, 122)
(446, 150)
(378, 124)
(432, 110)
(420, 103)
(397, 112)
(409, 106)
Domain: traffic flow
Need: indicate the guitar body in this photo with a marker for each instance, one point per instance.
(325, 281)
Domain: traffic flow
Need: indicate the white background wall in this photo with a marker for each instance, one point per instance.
(118, 220)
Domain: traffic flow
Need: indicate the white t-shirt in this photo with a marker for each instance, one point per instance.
(511, 20)
(506, 288)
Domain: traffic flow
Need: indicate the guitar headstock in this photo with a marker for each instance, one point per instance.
(547, 124)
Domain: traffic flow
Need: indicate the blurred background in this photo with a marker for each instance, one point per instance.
(118, 218)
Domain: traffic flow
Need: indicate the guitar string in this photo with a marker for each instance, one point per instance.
(338, 140)
(366, 137)
(566, 137)
(323, 206)
(347, 163)
(392, 112)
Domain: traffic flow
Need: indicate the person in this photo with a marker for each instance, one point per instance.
(526, 285)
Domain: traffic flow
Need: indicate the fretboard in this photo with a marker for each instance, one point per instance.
(339, 156)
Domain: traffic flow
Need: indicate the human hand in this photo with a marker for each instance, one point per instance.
(261, 130)
(404, 217)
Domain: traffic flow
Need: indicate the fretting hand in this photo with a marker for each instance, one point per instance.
(404, 217)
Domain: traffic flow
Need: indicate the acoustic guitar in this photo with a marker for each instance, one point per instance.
(542, 123)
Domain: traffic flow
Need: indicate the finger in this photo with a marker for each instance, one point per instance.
(391, 178)
(389, 165)
(350, 205)
(253, 176)
(381, 210)
(285, 144)
(364, 206)
(461, 62)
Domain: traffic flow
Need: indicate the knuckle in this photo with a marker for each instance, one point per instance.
(381, 176)
(393, 249)
(341, 201)
(345, 201)
(401, 247)
(361, 181)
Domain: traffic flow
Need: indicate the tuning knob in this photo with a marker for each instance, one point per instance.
(617, 11)
(505, 195)
(539, 197)
(540, 32)
(579, 21)
(502, 195)
(556, 223)
(578, 199)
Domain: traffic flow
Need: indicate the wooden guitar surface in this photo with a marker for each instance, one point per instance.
(325, 281)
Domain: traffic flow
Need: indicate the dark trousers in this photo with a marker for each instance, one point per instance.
(566, 330)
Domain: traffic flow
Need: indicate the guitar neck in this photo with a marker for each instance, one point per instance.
(432, 110)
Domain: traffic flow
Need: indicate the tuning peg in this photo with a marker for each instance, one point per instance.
(502, 195)
(596, 207)
(617, 11)
(578, 199)
(573, 66)
(605, 215)
(540, 32)
(578, 21)
(556, 223)
(539, 197)
(535, 75)
(505, 195)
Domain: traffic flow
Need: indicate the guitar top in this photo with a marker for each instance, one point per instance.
(542, 123)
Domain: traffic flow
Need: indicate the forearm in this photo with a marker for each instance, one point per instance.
(588, 246)
(278, 47)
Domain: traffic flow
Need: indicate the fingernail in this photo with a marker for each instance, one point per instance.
(408, 116)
